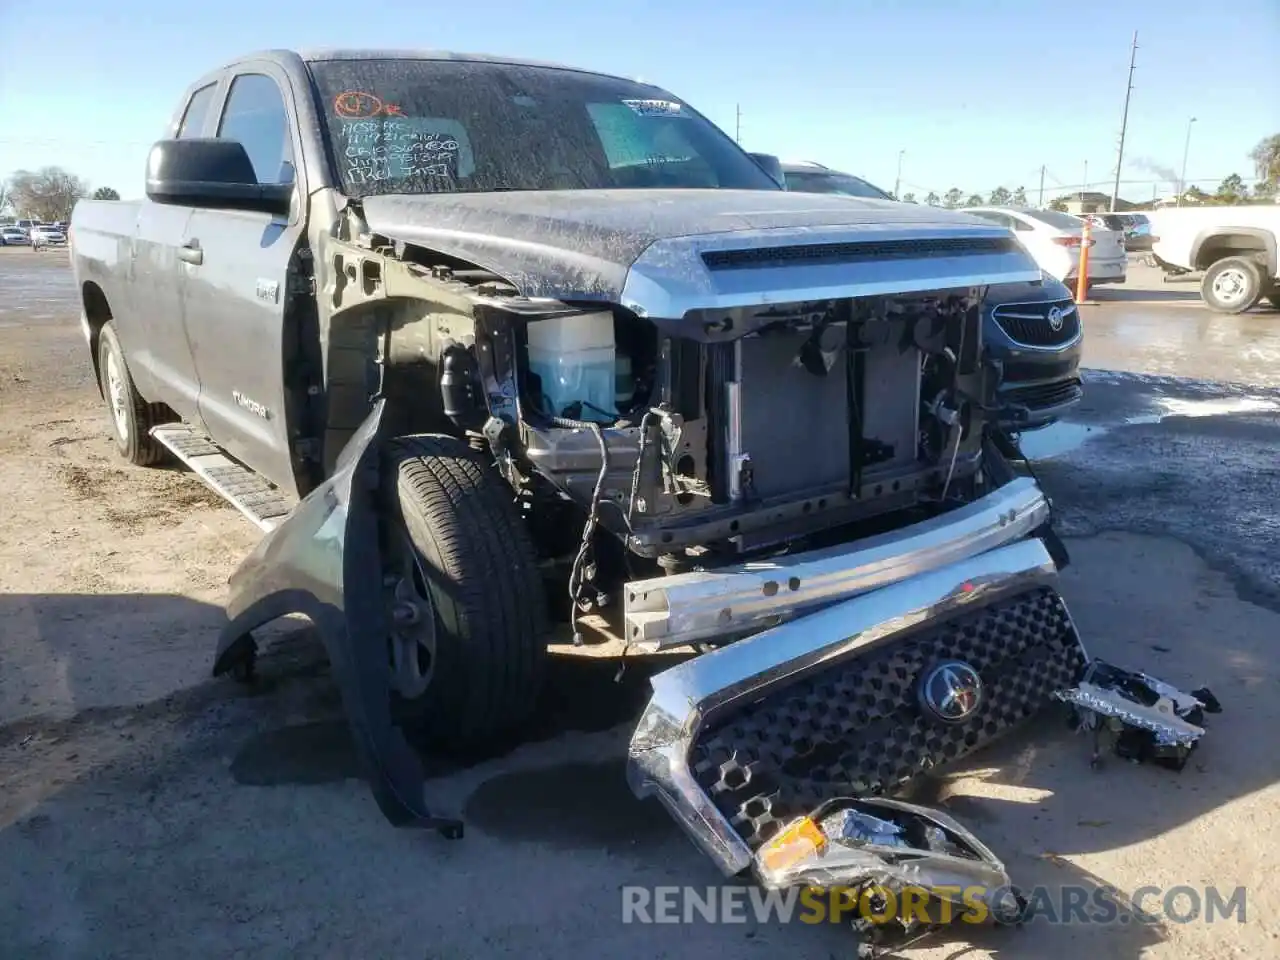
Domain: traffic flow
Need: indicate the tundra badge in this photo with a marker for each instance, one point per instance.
(253, 406)
(268, 290)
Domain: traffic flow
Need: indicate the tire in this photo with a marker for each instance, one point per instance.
(1232, 285)
(131, 416)
(485, 609)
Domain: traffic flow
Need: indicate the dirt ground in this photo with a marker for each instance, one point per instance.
(146, 810)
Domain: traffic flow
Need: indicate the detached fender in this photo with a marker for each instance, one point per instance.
(324, 562)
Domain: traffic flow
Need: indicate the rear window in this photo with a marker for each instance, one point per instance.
(840, 183)
(1061, 221)
(197, 110)
(446, 126)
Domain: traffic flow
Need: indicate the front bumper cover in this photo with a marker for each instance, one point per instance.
(688, 697)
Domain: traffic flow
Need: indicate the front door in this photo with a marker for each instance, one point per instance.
(236, 293)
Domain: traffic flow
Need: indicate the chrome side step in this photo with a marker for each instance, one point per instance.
(249, 493)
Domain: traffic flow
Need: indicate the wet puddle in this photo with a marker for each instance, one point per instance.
(1064, 437)
(1056, 440)
(1222, 407)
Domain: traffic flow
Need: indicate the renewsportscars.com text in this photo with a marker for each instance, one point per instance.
(1054, 905)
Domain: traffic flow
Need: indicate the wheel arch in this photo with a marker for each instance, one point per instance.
(97, 314)
(1214, 244)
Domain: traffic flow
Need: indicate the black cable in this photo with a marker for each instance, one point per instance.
(593, 517)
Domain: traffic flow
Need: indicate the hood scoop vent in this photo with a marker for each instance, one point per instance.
(815, 253)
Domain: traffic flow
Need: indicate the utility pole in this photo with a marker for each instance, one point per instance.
(1186, 148)
(1124, 121)
(737, 126)
(1041, 203)
(897, 184)
(1084, 186)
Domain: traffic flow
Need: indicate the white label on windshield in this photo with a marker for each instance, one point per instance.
(655, 108)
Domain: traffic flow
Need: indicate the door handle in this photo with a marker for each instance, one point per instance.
(190, 252)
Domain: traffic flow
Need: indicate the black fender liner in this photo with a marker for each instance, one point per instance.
(324, 562)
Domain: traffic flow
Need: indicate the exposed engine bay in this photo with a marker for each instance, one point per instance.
(763, 432)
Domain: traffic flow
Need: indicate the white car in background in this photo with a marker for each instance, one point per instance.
(47, 235)
(1055, 239)
(13, 237)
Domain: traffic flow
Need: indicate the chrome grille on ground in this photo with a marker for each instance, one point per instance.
(857, 727)
(1031, 323)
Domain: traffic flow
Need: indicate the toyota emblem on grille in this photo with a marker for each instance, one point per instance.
(951, 691)
(1055, 319)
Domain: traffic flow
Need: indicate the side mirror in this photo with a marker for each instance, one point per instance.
(211, 173)
(772, 166)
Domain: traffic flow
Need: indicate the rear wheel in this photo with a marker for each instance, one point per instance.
(468, 645)
(1232, 285)
(131, 416)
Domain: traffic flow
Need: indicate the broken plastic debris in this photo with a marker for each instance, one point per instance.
(1150, 719)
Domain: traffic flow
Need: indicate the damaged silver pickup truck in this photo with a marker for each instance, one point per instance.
(503, 355)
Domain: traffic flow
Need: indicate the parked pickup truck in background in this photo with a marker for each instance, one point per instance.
(1235, 247)
(503, 355)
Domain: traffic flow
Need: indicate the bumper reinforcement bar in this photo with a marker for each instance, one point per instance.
(672, 611)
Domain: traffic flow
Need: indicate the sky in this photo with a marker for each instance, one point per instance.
(973, 94)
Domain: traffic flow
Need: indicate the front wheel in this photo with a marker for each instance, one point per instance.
(1232, 285)
(469, 617)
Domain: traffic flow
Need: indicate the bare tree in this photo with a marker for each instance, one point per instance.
(106, 193)
(932, 199)
(1019, 198)
(46, 194)
(4, 195)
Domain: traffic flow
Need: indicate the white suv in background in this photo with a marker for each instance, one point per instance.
(1055, 239)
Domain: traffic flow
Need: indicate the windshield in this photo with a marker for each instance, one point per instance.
(827, 182)
(456, 126)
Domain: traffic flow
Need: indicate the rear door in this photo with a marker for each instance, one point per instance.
(155, 341)
(236, 294)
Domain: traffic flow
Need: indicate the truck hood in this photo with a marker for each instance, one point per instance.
(648, 249)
